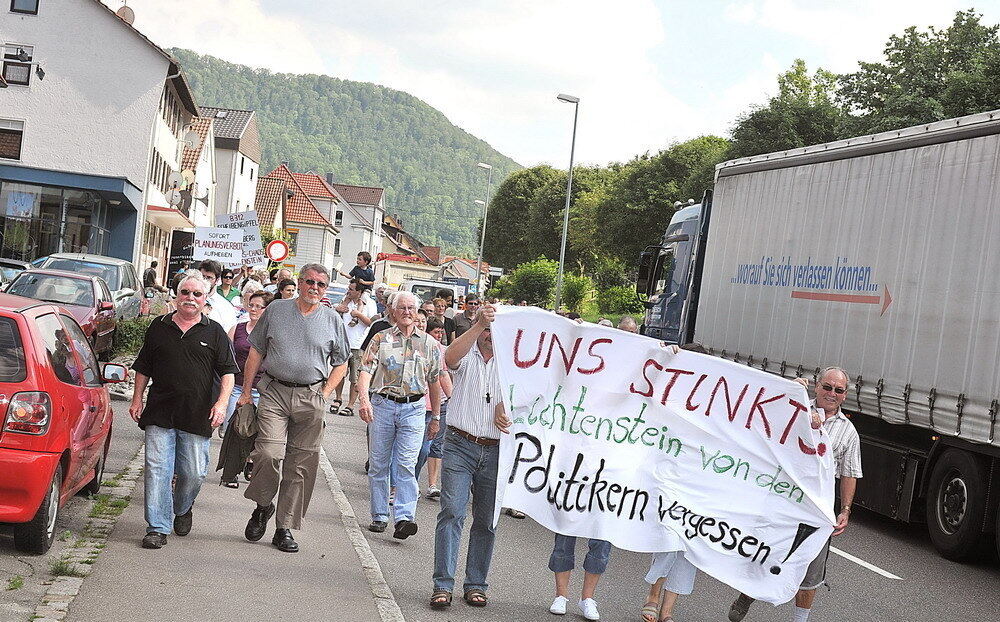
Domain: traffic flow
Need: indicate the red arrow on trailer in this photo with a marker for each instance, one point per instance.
(885, 299)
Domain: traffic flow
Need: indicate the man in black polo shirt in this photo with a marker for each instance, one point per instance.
(190, 360)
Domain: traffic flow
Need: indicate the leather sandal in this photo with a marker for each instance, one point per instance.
(650, 612)
(475, 597)
(440, 599)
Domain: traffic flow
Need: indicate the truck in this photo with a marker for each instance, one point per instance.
(878, 254)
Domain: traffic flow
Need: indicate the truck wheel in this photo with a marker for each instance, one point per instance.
(956, 506)
(37, 535)
(94, 486)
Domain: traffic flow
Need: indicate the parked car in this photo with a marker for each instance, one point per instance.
(86, 297)
(120, 275)
(335, 293)
(56, 415)
(9, 268)
(426, 290)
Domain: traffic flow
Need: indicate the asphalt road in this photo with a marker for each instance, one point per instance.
(521, 586)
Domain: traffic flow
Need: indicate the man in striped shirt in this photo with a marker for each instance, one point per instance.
(471, 452)
(831, 391)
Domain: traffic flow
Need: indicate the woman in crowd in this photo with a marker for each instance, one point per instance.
(562, 562)
(433, 448)
(239, 335)
(226, 288)
(440, 309)
(286, 289)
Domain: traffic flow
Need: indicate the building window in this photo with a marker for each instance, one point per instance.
(338, 218)
(293, 241)
(11, 134)
(336, 247)
(251, 173)
(24, 6)
(17, 64)
(242, 162)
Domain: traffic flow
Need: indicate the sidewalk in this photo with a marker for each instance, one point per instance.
(215, 573)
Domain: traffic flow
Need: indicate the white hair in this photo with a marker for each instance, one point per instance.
(839, 370)
(194, 275)
(395, 298)
(251, 286)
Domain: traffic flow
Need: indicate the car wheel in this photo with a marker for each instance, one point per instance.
(36, 536)
(956, 506)
(94, 486)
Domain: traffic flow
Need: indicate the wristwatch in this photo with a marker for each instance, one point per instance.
(436, 417)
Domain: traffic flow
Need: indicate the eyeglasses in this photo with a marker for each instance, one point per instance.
(319, 284)
(255, 307)
(189, 292)
(837, 390)
(472, 303)
(410, 309)
(227, 276)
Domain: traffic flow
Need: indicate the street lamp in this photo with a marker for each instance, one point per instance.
(569, 99)
(482, 237)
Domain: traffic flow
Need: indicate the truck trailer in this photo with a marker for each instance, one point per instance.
(878, 254)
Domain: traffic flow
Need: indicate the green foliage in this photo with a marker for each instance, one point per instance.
(533, 281)
(574, 291)
(15, 583)
(364, 134)
(129, 335)
(509, 214)
(610, 272)
(618, 300)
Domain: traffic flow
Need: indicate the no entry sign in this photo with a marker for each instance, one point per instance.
(277, 250)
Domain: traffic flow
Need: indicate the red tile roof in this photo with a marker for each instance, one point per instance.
(298, 207)
(270, 192)
(192, 153)
(314, 185)
(362, 195)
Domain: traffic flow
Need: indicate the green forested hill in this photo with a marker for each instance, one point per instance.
(364, 134)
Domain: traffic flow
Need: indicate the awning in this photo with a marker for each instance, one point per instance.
(117, 190)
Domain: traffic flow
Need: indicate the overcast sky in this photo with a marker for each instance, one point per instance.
(648, 72)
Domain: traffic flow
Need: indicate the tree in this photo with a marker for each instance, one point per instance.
(803, 113)
(575, 288)
(926, 76)
(507, 220)
(534, 281)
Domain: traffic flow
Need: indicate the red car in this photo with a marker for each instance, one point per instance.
(56, 415)
(86, 296)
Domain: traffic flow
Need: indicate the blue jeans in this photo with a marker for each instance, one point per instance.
(170, 452)
(231, 407)
(562, 558)
(395, 434)
(465, 467)
(432, 448)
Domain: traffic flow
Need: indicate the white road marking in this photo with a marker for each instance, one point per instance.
(386, 602)
(864, 564)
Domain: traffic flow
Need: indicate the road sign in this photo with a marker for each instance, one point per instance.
(277, 250)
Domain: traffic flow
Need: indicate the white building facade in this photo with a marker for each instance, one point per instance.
(237, 157)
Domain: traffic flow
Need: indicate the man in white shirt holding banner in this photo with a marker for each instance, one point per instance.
(618, 438)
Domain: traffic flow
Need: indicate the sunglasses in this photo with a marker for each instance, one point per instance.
(189, 292)
(319, 284)
(227, 276)
(472, 304)
(837, 390)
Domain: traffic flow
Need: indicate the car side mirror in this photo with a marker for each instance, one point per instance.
(125, 293)
(105, 306)
(112, 373)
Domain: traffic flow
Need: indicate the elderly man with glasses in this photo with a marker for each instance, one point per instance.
(400, 366)
(304, 349)
(831, 391)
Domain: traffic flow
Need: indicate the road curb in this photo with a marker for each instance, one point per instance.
(80, 557)
(387, 607)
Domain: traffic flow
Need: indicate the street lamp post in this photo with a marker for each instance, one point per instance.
(482, 237)
(569, 99)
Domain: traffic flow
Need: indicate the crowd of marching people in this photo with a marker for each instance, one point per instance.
(263, 358)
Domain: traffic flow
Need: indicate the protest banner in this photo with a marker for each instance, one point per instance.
(222, 245)
(253, 248)
(616, 437)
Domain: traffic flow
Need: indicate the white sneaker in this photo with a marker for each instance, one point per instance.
(588, 608)
(559, 606)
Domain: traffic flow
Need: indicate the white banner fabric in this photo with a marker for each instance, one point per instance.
(253, 248)
(222, 245)
(615, 437)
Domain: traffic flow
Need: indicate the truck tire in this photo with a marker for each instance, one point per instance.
(956, 506)
(36, 536)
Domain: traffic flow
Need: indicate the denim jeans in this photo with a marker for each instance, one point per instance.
(170, 452)
(395, 434)
(231, 407)
(465, 467)
(432, 448)
(562, 558)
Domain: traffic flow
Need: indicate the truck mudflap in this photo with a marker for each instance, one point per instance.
(892, 479)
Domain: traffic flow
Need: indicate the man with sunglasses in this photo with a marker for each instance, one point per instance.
(303, 348)
(463, 321)
(831, 391)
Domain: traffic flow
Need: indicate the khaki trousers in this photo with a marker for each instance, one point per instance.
(286, 454)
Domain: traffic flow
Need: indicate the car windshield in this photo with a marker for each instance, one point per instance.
(51, 288)
(335, 294)
(9, 272)
(107, 272)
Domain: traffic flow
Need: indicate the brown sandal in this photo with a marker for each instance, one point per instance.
(650, 612)
(475, 597)
(440, 599)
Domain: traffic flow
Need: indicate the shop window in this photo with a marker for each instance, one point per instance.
(17, 64)
(11, 134)
(24, 6)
